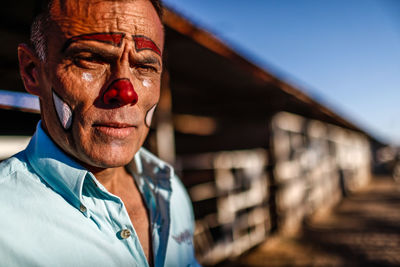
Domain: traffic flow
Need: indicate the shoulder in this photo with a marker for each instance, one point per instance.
(12, 166)
(21, 191)
(17, 178)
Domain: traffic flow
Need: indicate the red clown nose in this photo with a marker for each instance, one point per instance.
(120, 92)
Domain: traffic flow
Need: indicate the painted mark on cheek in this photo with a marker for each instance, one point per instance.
(146, 83)
(63, 110)
(145, 43)
(149, 115)
(87, 77)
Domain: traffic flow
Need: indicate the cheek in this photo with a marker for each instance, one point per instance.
(79, 89)
(150, 89)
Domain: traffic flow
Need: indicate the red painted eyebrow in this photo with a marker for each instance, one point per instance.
(145, 43)
(113, 38)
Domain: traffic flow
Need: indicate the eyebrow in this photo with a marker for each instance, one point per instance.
(144, 43)
(107, 55)
(90, 49)
(113, 38)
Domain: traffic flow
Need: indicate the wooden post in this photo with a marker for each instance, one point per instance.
(164, 124)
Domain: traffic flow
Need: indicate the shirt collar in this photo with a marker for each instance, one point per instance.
(66, 176)
(149, 165)
(63, 174)
(150, 169)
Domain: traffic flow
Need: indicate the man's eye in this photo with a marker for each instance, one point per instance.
(88, 62)
(145, 68)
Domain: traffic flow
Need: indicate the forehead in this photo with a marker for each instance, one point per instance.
(78, 17)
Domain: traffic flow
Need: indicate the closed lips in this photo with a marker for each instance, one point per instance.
(115, 130)
(113, 125)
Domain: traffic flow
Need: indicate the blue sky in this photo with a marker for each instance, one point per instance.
(344, 53)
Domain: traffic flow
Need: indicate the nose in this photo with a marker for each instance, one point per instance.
(120, 93)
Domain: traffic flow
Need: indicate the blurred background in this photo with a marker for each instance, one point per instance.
(273, 113)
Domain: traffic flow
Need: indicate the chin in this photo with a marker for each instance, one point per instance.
(109, 159)
(105, 164)
(112, 163)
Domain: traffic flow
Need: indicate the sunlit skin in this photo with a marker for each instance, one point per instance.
(104, 136)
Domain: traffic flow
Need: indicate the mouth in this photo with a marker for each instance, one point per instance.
(114, 129)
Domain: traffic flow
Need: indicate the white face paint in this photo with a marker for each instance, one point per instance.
(87, 77)
(149, 115)
(146, 83)
(64, 112)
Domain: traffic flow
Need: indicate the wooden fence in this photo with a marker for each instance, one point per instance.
(237, 199)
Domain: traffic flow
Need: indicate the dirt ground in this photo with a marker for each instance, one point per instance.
(363, 230)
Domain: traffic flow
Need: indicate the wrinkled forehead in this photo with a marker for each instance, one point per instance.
(135, 17)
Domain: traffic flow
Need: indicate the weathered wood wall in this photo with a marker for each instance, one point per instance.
(315, 165)
(229, 190)
(242, 196)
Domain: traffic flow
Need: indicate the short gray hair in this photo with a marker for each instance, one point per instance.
(41, 23)
(38, 37)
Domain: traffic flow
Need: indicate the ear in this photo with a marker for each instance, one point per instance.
(29, 68)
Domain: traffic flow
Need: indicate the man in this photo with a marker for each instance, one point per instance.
(84, 192)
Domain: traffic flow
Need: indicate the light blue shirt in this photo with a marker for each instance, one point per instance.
(53, 212)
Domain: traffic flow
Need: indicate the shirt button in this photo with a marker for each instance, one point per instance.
(83, 208)
(125, 233)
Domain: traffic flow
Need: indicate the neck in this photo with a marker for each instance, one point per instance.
(110, 178)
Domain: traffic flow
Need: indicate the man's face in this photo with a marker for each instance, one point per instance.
(96, 50)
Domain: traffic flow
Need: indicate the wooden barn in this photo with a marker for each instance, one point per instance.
(256, 154)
